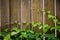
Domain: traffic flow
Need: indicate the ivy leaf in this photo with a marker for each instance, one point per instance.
(33, 24)
(38, 38)
(15, 29)
(48, 12)
(46, 27)
(39, 24)
(13, 33)
(23, 34)
(31, 31)
(7, 37)
(0, 34)
(56, 27)
(52, 28)
(6, 30)
(31, 36)
(49, 16)
(55, 20)
(53, 17)
(59, 30)
(58, 23)
(40, 27)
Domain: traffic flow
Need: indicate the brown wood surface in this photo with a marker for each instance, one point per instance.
(4, 12)
(16, 11)
(0, 13)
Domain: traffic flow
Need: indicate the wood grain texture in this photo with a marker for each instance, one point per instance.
(4, 12)
(0, 13)
(37, 8)
(36, 11)
(49, 6)
(58, 9)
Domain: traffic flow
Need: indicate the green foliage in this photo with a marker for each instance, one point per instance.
(50, 36)
(25, 34)
(46, 27)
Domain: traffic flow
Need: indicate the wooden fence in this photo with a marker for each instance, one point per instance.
(27, 11)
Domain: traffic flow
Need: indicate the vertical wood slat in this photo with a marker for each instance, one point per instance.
(58, 9)
(31, 13)
(21, 14)
(4, 13)
(15, 12)
(25, 12)
(55, 15)
(36, 7)
(43, 18)
(58, 13)
(0, 13)
(36, 12)
(49, 7)
(9, 14)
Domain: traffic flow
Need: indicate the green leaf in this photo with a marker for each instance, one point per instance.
(33, 23)
(52, 28)
(58, 23)
(38, 38)
(40, 27)
(7, 37)
(46, 27)
(15, 29)
(23, 34)
(31, 36)
(53, 17)
(49, 16)
(13, 33)
(48, 12)
(6, 30)
(55, 20)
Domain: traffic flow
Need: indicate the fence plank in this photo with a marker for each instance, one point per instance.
(37, 12)
(25, 11)
(58, 9)
(15, 10)
(49, 6)
(37, 15)
(4, 12)
(58, 13)
(0, 13)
